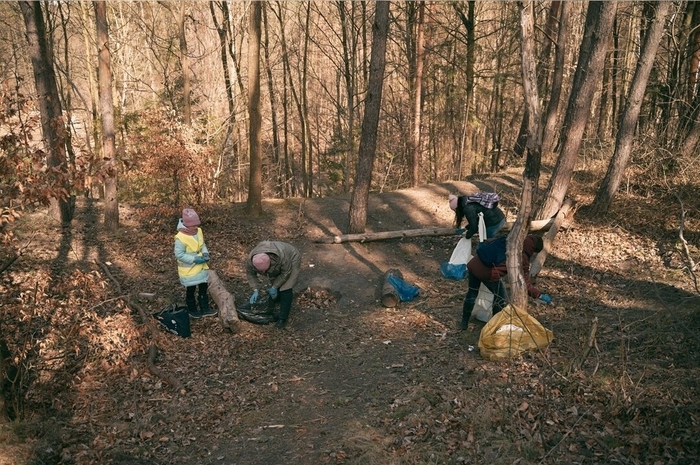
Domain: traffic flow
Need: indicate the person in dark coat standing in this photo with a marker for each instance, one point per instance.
(490, 276)
(494, 218)
(280, 262)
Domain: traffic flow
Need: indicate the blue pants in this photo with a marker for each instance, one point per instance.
(491, 231)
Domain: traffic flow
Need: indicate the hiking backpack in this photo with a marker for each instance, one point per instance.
(486, 199)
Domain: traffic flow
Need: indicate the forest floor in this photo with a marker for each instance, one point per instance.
(349, 381)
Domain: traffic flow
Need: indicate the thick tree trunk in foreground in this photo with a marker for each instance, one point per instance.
(518, 285)
(592, 52)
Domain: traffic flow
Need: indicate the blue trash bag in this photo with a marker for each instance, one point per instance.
(453, 271)
(404, 290)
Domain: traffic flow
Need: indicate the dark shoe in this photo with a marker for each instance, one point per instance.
(209, 312)
(280, 324)
(463, 324)
(196, 314)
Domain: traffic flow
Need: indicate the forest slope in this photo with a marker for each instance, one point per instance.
(350, 381)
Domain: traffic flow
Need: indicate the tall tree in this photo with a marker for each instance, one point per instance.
(599, 21)
(184, 63)
(416, 57)
(254, 203)
(553, 110)
(533, 144)
(469, 23)
(628, 123)
(370, 121)
(53, 126)
(104, 82)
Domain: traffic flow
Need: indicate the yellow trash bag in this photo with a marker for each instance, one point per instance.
(511, 332)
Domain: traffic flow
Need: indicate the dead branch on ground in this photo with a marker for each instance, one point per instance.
(537, 225)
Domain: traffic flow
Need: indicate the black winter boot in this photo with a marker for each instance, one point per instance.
(285, 306)
(191, 303)
(204, 308)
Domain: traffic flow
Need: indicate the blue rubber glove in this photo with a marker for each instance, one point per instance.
(254, 297)
(205, 256)
(273, 292)
(460, 231)
(199, 260)
(546, 298)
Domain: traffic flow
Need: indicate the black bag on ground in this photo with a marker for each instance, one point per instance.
(260, 313)
(492, 253)
(174, 319)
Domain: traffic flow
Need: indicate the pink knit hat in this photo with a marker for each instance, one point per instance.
(190, 218)
(261, 262)
(453, 201)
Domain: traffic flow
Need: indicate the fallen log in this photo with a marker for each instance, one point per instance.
(390, 298)
(228, 316)
(548, 238)
(537, 225)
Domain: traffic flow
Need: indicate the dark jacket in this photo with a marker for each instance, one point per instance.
(492, 216)
(285, 263)
(495, 273)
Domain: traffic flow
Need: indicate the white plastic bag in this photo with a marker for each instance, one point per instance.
(482, 310)
(462, 252)
(456, 268)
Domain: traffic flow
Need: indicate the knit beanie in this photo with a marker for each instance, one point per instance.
(453, 201)
(190, 218)
(261, 262)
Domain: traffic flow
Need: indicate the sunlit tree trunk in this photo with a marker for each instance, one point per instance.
(518, 285)
(465, 147)
(52, 123)
(349, 42)
(553, 110)
(273, 108)
(104, 79)
(303, 106)
(628, 123)
(254, 204)
(415, 49)
(184, 64)
(550, 29)
(370, 122)
(599, 20)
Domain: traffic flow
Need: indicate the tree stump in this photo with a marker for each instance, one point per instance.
(228, 316)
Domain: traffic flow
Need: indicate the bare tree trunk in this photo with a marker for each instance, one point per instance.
(550, 29)
(625, 134)
(254, 204)
(599, 20)
(553, 111)
(518, 285)
(53, 126)
(184, 64)
(273, 108)
(370, 122)
(104, 78)
(416, 60)
(349, 41)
